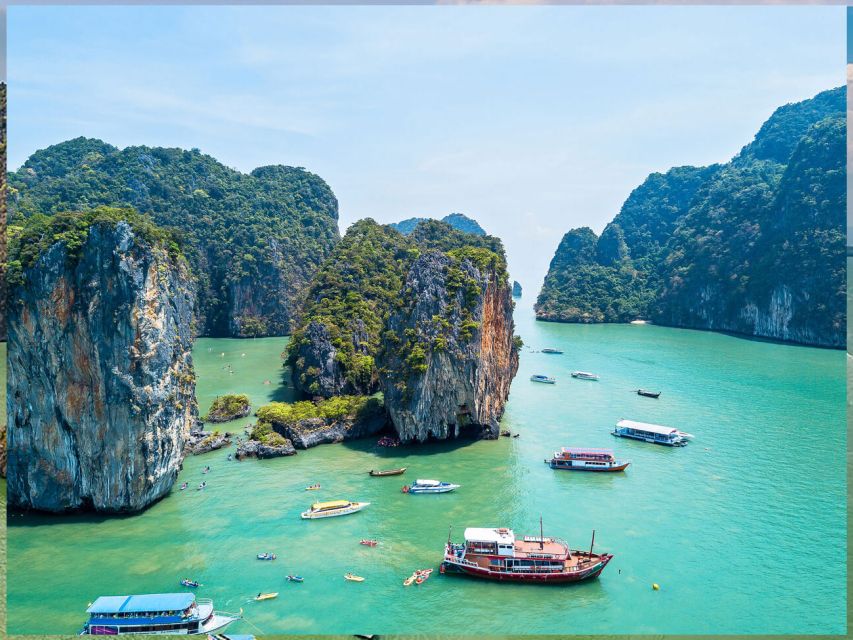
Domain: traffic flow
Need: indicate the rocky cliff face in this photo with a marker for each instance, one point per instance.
(101, 382)
(449, 353)
(755, 246)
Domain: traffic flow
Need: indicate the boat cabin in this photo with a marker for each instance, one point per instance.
(492, 542)
(330, 506)
(654, 433)
(572, 456)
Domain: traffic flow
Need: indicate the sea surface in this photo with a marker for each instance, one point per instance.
(744, 529)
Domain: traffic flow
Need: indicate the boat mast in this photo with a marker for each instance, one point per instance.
(541, 534)
(591, 544)
(449, 532)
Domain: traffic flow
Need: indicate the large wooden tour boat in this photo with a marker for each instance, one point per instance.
(496, 554)
(575, 459)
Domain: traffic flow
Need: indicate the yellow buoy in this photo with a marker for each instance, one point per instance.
(655, 586)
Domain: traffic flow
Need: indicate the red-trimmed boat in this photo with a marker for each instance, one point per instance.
(496, 554)
(579, 459)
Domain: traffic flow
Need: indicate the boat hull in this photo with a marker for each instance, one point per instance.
(617, 467)
(666, 443)
(451, 566)
(416, 491)
(391, 472)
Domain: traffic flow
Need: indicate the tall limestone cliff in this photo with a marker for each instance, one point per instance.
(449, 353)
(253, 241)
(100, 377)
(755, 246)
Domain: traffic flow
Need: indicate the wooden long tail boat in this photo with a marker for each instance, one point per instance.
(388, 472)
(648, 394)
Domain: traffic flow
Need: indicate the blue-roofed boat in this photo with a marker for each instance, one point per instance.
(538, 377)
(155, 613)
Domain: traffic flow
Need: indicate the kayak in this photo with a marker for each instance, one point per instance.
(369, 543)
(266, 596)
(190, 583)
(408, 581)
(295, 578)
(353, 578)
(313, 487)
(266, 556)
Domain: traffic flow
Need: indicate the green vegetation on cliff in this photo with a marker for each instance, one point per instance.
(253, 240)
(228, 407)
(328, 409)
(754, 246)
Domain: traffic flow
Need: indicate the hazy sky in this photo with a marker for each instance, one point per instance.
(533, 120)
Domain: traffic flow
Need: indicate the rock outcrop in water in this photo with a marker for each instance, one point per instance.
(253, 241)
(449, 352)
(516, 289)
(755, 246)
(229, 407)
(385, 305)
(100, 376)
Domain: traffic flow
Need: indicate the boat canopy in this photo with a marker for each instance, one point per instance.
(334, 504)
(477, 534)
(586, 450)
(645, 426)
(151, 602)
(428, 483)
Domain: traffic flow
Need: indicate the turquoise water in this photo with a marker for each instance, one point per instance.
(744, 529)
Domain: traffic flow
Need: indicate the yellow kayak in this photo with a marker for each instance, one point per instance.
(408, 581)
(353, 578)
(266, 596)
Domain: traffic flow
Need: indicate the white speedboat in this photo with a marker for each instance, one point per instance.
(543, 379)
(430, 486)
(584, 375)
(332, 509)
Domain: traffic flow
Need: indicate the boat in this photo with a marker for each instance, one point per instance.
(582, 459)
(408, 581)
(353, 578)
(155, 613)
(190, 583)
(295, 579)
(543, 379)
(654, 433)
(430, 486)
(333, 508)
(584, 375)
(369, 543)
(313, 487)
(648, 394)
(388, 441)
(550, 350)
(496, 554)
(267, 556)
(388, 472)
(266, 596)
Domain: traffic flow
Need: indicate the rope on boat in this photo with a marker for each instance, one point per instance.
(254, 625)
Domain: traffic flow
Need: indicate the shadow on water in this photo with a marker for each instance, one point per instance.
(431, 448)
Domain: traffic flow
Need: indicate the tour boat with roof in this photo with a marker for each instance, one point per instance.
(551, 350)
(333, 508)
(654, 433)
(155, 613)
(496, 554)
(538, 377)
(583, 459)
(430, 486)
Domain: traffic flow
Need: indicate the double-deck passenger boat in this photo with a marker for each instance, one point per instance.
(496, 554)
(156, 613)
(584, 375)
(333, 508)
(579, 459)
(654, 433)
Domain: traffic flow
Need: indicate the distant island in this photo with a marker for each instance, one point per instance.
(754, 246)
(458, 221)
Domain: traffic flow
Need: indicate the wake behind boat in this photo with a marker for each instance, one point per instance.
(580, 459)
(156, 613)
(333, 508)
(430, 486)
(543, 379)
(496, 554)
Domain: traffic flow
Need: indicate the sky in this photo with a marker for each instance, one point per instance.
(532, 120)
